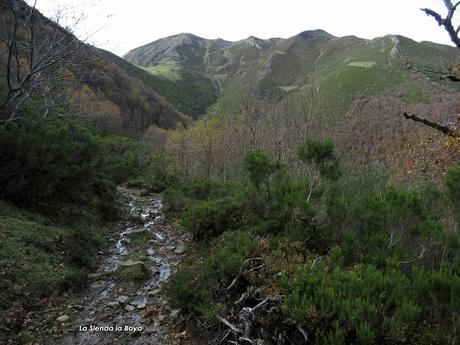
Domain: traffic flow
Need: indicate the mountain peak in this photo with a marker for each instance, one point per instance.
(253, 41)
(184, 37)
(315, 34)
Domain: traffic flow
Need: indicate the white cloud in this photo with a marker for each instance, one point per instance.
(120, 25)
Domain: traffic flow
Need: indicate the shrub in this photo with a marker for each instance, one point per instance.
(453, 186)
(194, 288)
(211, 218)
(259, 168)
(55, 167)
(321, 154)
(181, 196)
(369, 304)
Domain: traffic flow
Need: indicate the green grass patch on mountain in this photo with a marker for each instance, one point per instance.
(363, 64)
(189, 92)
(168, 69)
(339, 89)
(417, 95)
(137, 272)
(139, 239)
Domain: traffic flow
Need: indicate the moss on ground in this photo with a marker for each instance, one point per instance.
(136, 256)
(137, 272)
(39, 259)
(139, 239)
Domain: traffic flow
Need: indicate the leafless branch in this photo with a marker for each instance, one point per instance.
(38, 53)
(318, 259)
(447, 21)
(229, 325)
(419, 257)
(304, 333)
(444, 129)
(242, 267)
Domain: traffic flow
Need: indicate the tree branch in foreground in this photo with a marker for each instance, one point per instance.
(444, 129)
(447, 21)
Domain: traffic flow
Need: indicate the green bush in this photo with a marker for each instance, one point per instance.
(367, 303)
(453, 185)
(211, 218)
(194, 288)
(322, 155)
(42, 258)
(259, 168)
(384, 219)
(55, 168)
(390, 270)
(181, 196)
(123, 158)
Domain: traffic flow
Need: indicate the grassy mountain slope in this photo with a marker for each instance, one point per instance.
(339, 69)
(189, 93)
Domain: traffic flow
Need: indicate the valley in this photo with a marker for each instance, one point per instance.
(279, 191)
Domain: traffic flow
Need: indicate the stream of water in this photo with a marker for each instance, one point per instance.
(111, 311)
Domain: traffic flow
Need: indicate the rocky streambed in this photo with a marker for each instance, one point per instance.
(124, 303)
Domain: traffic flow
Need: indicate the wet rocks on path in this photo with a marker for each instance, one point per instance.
(124, 303)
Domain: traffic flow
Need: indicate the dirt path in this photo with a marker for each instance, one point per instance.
(124, 300)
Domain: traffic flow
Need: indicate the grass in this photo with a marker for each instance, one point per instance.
(136, 256)
(167, 68)
(363, 64)
(139, 239)
(39, 259)
(417, 95)
(137, 273)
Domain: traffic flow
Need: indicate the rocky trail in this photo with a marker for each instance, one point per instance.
(124, 303)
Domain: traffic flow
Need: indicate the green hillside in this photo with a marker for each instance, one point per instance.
(189, 92)
(340, 69)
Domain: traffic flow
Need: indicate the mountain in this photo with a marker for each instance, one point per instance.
(338, 68)
(356, 89)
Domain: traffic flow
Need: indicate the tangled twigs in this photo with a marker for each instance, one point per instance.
(243, 331)
(303, 332)
(243, 266)
(229, 325)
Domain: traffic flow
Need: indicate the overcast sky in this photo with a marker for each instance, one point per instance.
(121, 25)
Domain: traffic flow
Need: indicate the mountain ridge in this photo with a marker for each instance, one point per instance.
(279, 66)
(345, 80)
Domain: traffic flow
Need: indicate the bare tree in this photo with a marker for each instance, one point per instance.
(276, 124)
(34, 54)
(453, 32)
(447, 21)
(252, 115)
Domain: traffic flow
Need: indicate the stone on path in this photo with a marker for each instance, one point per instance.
(63, 318)
(122, 299)
(129, 308)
